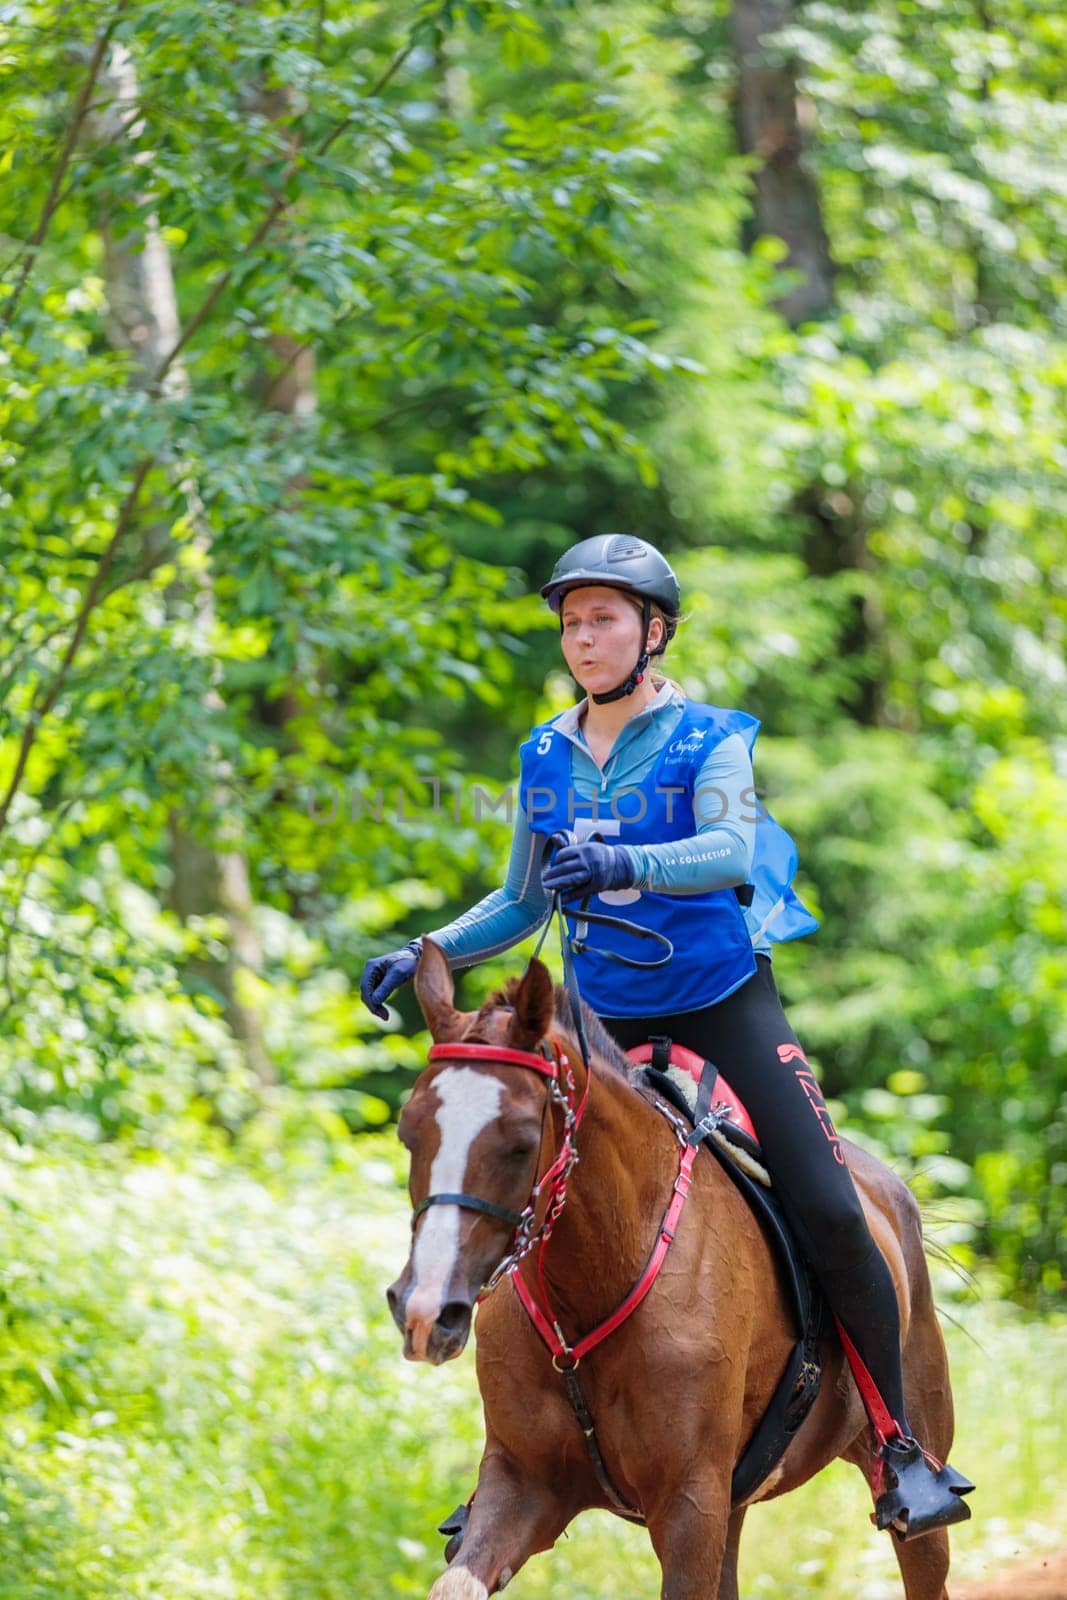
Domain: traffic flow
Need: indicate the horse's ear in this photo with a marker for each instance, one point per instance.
(534, 1007)
(434, 991)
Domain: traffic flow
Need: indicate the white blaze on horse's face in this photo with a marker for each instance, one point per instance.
(468, 1101)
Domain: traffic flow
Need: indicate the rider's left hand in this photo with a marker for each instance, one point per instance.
(590, 868)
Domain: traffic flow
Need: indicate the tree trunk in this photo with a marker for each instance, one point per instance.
(143, 318)
(290, 389)
(772, 121)
(770, 124)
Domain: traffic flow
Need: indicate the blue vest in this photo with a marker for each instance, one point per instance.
(712, 947)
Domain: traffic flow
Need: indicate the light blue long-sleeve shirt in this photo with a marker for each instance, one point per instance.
(718, 856)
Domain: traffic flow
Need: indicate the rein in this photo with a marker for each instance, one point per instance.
(583, 917)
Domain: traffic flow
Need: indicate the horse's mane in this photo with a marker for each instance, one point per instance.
(600, 1040)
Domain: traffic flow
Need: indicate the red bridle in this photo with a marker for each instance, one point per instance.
(547, 1064)
(552, 1063)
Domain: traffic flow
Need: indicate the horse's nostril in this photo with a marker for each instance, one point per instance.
(395, 1307)
(455, 1317)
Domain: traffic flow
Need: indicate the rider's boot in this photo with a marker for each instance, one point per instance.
(914, 1493)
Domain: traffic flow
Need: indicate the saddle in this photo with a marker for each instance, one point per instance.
(697, 1090)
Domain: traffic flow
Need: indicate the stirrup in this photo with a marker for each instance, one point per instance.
(919, 1494)
(454, 1527)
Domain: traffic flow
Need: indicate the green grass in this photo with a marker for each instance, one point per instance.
(204, 1400)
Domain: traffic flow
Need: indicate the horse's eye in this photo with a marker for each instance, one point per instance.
(520, 1152)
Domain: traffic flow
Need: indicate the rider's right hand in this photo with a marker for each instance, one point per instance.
(383, 974)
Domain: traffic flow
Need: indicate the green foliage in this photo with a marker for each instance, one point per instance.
(195, 1367)
(111, 1041)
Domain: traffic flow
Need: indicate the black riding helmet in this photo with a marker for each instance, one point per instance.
(619, 561)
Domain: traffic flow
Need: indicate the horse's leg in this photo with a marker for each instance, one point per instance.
(728, 1576)
(923, 1565)
(513, 1515)
(924, 1562)
(689, 1533)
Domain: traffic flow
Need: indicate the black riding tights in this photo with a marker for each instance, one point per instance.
(749, 1039)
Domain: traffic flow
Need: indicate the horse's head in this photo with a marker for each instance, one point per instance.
(476, 1131)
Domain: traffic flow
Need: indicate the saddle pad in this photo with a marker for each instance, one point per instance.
(686, 1070)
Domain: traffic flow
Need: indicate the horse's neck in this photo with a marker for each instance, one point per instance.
(615, 1199)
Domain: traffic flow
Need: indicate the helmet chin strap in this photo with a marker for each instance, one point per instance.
(641, 666)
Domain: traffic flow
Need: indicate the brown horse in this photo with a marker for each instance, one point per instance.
(677, 1390)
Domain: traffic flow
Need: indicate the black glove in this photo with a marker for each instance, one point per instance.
(588, 868)
(383, 974)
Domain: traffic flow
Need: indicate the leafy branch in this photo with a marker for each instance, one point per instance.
(43, 707)
(56, 191)
(281, 205)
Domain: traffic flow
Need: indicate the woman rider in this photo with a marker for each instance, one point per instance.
(656, 793)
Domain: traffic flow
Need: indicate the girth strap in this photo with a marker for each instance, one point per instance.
(584, 1418)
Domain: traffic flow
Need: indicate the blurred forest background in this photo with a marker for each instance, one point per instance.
(324, 328)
